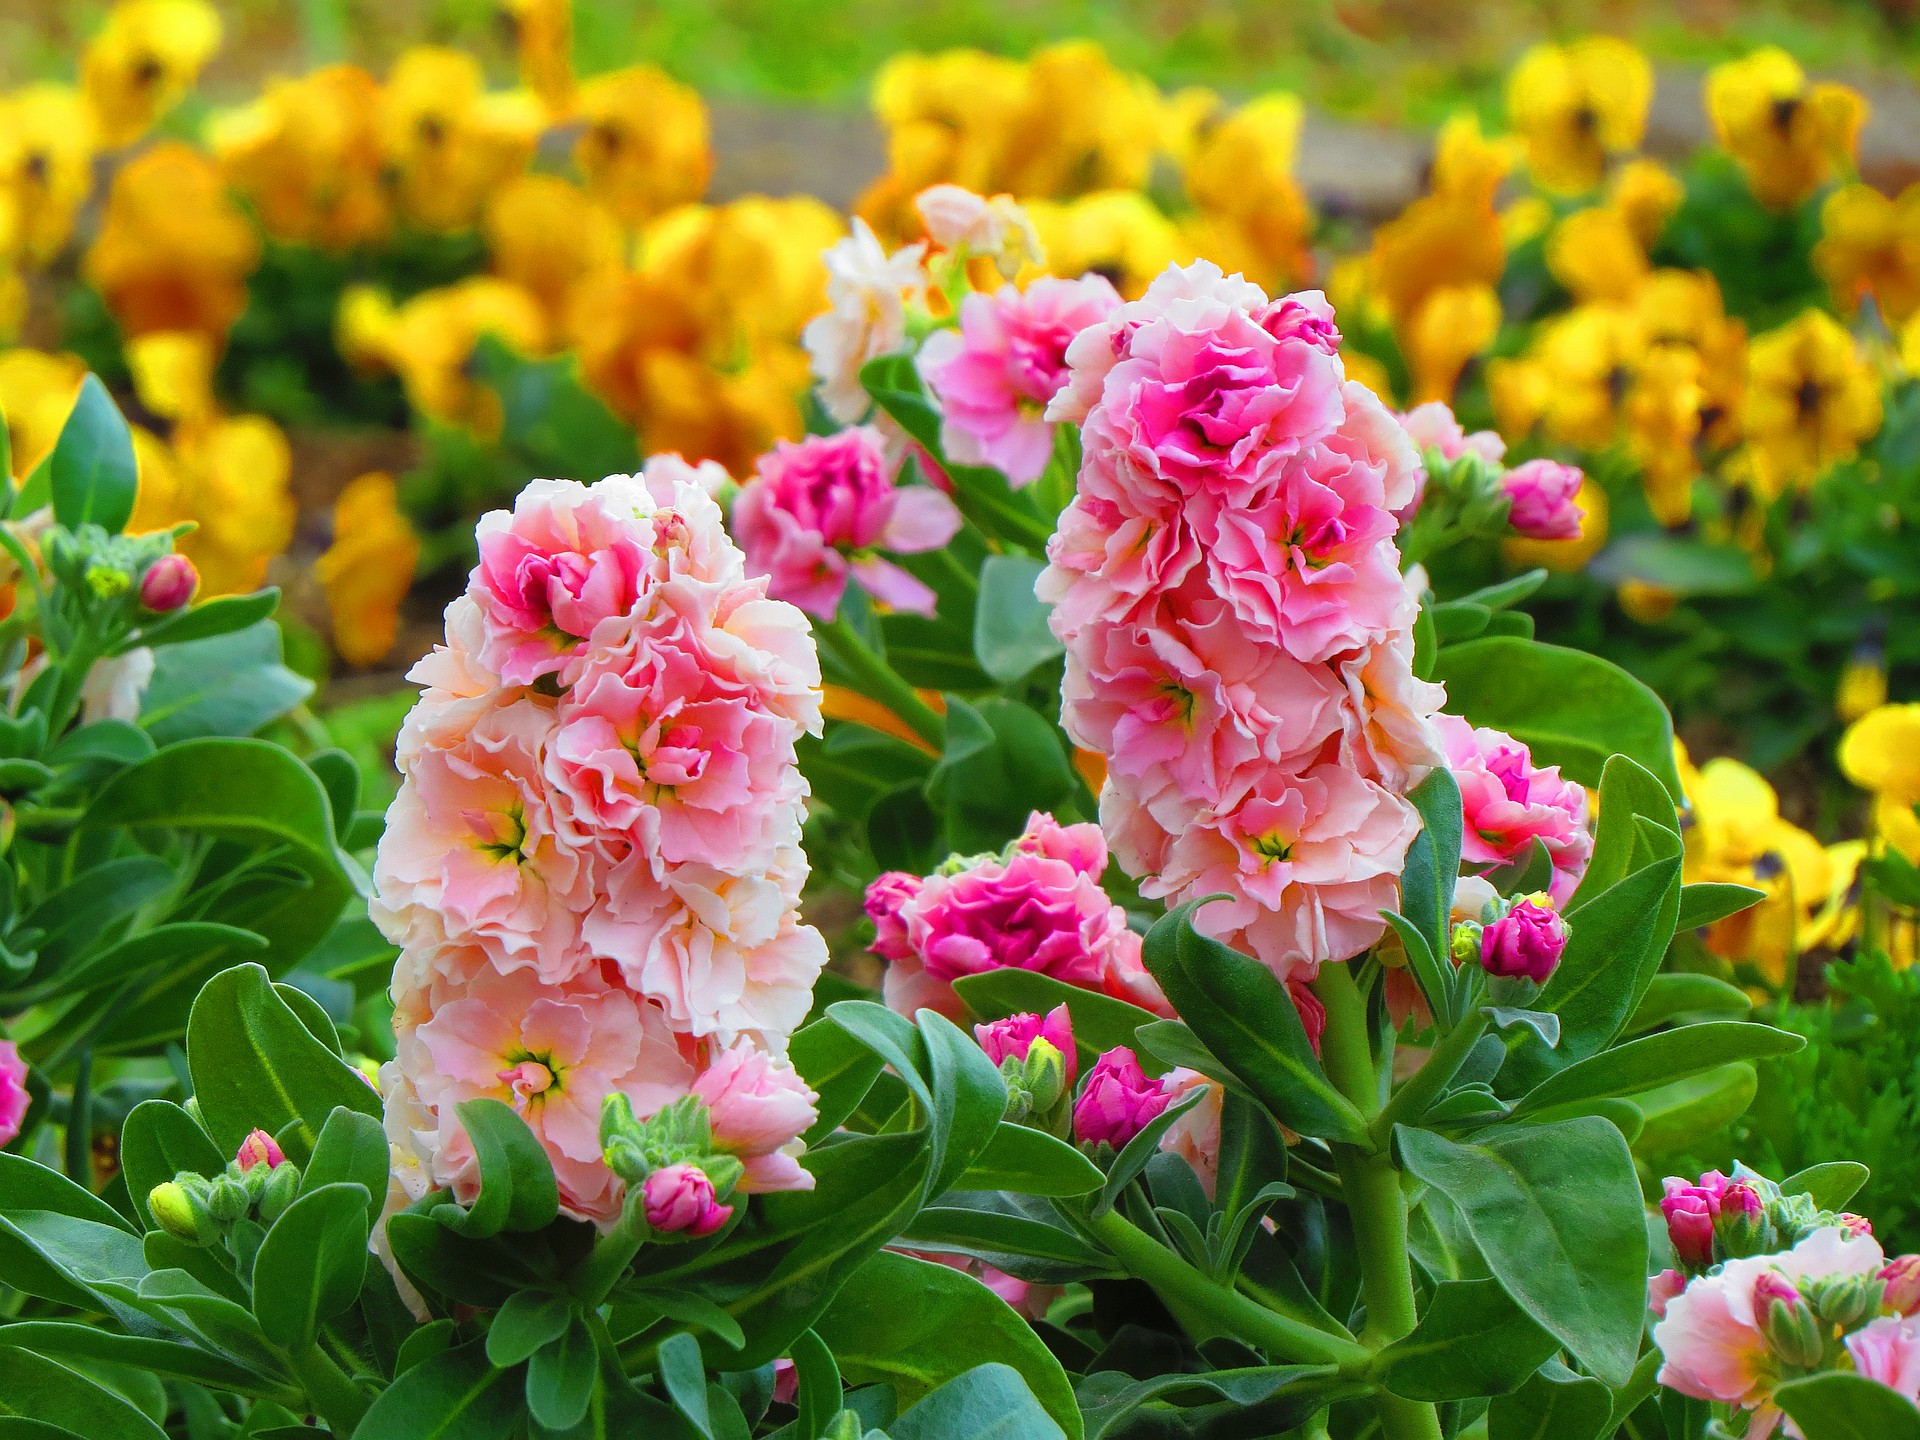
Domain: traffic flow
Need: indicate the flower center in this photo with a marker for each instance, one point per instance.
(1271, 847)
(501, 834)
(529, 1078)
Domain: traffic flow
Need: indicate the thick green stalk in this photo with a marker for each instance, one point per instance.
(332, 1394)
(1284, 1337)
(1411, 1100)
(879, 681)
(1375, 1204)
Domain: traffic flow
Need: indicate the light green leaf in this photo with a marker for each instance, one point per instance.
(92, 474)
(312, 1264)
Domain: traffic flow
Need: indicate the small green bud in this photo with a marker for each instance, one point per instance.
(107, 582)
(228, 1200)
(1465, 943)
(1844, 1301)
(282, 1187)
(182, 1213)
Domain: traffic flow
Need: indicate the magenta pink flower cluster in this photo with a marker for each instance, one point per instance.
(1036, 906)
(1543, 495)
(995, 375)
(820, 510)
(1508, 802)
(14, 1099)
(1239, 638)
(594, 865)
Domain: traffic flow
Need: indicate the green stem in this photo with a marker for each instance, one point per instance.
(1411, 1100)
(80, 1123)
(1375, 1204)
(1280, 1335)
(607, 1262)
(333, 1396)
(881, 682)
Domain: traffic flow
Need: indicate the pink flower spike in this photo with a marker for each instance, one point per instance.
(1508, 802)
(759, 1108)
(1118, 1100)
(1014, 1036)
(1432, 426)
(679, 1200)
(1888, 1350)
(1543, 495)
(260, 1148)
(1902, 1277)
(14, 1099)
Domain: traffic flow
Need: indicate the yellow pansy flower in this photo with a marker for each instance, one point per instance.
(143, 60)
(947, 116)
(749, 272)
(1683, 308)
(1787, 135)
(732, 416)
(368, 568)
(173, 251)
(1120, 234)
(448, 143)
(173, 373)
(46, 164)
(429, 341)
(1595, 255)
(1451, 327)
(1880, 752)
(1575, 105)
(307, 156)
(1645, 602)
(37, 391)
(550, 238)
(643, 146)
(543, 39)
(1645, 193)
(1081, 125)
(1238, 172)
(1812, 400)
(1870, 245)
(231, 477)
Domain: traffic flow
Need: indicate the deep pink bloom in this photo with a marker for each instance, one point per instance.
(1888, 1350)
(995, 374)
(886, 897)
(760, 1107)
(679, 1200)
(169, 583)
(1014, 1036)
(1691, 1208)
(1508, 802)
(14, 1098)
(1527, 941)
(1544, 494)
(1902, 1277)
(260, 1148)
(1432, 426)
(1082, 846)
(1118, 1100)
(818, 512)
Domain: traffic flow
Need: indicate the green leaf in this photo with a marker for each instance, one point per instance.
(1135, 1154)
(1683, 566)
(990, 1233)
(1704, 904)
(1656, 1059)
(1555, 1404)
(684, 1375)
(1505, 593)
(1556, 1211)
(820, 1386)
(312, 1264)
(1682, 993)
(224, 685)
(1830, 1186)
(838, 1067)
(518, 1192)
(222, 615)
(159, 1140)
(32, 1387)
(456, 1395)
(1675, 1116)
(352, 1150)
(561, 1375)
(969, 1096)
(988, 1402)
(93, 475)
(952, 1323)
(1030, 1162)
(1569, 708)
(1433, 860)
(1254, 1400)
(1010, 631)
(88, 1342)
(1473, 1340)
(255, 1065)
(1100, 1022)
(1245, 1017)
(527, 1321)
(1848, 1407)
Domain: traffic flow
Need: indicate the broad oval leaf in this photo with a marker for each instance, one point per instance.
(1657, 1059)
(1473, 1340)
(1848, 1407)
(312, 1264)
(457, 1395)
(92, 472)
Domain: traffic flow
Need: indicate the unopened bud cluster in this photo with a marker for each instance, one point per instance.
(234, 1208)
(675, 1176)
(121, 574)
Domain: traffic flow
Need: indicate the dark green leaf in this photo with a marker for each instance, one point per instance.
(1433, 860)
(159, 1140)
(1628, 791)
(819, 1377)
(1555, 1404)
(1473, 1340)
(1848, 1407)
(1099, 1021)
(1010, 631)
(684, 1375)
(93, 475)
(989, 1402)
(1830, 1185)
(1704, 904)
(1656, 1059)
(838, 1067)
(32, 1387)
(352, 1149)
(1675, 994)
(456, 1395)
(224, 685)
(518, 1191)
(1675, 1116)
(561, 1375)
(222, 615)
(312, 1264)
(1030, 1162)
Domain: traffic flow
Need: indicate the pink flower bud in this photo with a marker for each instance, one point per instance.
(1117, 1101)
(169, 583)
(886, 898)
(1526, 942)
(14, 1099)
(1543, 505)
(1661, 1289)
(1082, 846)
(260, 1148)
(679, 1201)
(1771, 1286)
(1014, 1036)
(1854, 1225)
(1690, 1210)
(1902, 1279)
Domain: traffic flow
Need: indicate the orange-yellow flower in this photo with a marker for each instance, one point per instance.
(1812, 400)
(749, 272)
(732, 416)
(307, 156)
(543, 38)
(446, 141)
(1081, 125)
(1120, 234)
(947, 116)
(1787, 135)
(549, 237)
(144, 59)
(174, 251)
(1253, 216)
(230, 476)
(644, 147)
(1870, 245)
(1646, 194)
(1880, 753)
(1683, 308)
(1595, 255)
(1450, 328)
(429, 342)
(1575, 105)
(173, 373)
(46, 164)
(37, 391)
(368, 568)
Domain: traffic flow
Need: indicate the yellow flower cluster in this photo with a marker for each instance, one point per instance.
(1077, 140)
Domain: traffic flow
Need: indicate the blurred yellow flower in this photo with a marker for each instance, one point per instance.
(543, 39)
(750, 272)
(1880, 753)
(947, 117)
(644, 147)
(1575, 105)
(1788, 136)
(1467, 165)
(1683, 308)
(230, 477)
(1646, 194)
(1870, 245)
(1450, 328)
(1811, 400)
(1081, 125)
(1238, 172)
(173, 373)
(1645, 602)
(1120, 234)
(37, 391)
(368, 568)
(46, 165)
(1370, 373)
(429, 342)
(623, 319)
(142, 61)
(307, 156)
(732, 416)
(447, 143)
(173, 251)
(1863, 684)
(551, 238)
(1595, 255)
